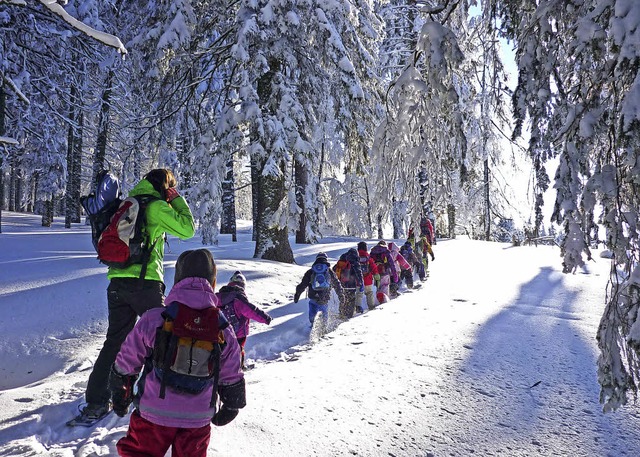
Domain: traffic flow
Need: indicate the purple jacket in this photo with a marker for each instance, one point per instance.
(239, 310)
(176, 409)
(383, 252)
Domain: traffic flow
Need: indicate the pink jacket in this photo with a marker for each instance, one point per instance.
(401, 262)
(176, 409)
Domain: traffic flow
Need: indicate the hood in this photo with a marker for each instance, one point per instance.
(144, 187)
(378, 249)
(363, 253)
(196, 293)
(228, 293)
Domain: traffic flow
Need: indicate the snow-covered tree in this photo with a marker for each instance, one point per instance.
(578, 85)
(281, 79)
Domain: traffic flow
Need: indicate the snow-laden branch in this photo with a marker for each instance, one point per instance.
(105, 38)
(9, 82)
(7, 140)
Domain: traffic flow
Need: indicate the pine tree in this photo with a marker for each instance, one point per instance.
(578, 85)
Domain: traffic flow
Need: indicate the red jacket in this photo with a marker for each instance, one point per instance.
(373, 269)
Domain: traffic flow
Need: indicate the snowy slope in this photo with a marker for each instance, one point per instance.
(495, 355)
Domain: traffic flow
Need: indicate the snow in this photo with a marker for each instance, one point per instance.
(105, 38)
(494, 355)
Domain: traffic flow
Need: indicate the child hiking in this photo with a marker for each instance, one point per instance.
(239, 310)
(401, 265)
(369, 273)
(386, 269)
(417, 252)
(423, 245)
(406, 250)
(348, 271)
(174, 408)
(319, 280)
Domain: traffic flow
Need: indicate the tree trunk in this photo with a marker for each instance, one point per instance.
(301, 183)
(380, 234)
(103, 129)
(273, 240)
(12, 181)
(369, 220)
(3, 105)
(451, 212)
(423, 186)
(487, 207)
(255, 175)
(74, 160)
(228, 223)
(19, 189)
(396, 218)
(47, 214)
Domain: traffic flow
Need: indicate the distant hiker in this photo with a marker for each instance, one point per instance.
(319, 280)
(174, 407)
(369, 273)
(426, 229)
(386, 269)
(135, 289)
(348, 271)
(401, 266)
(423, 245)
(418, 267)
(406, 250)
(238, 309)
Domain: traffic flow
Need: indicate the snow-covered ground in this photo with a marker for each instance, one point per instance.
(494, 355)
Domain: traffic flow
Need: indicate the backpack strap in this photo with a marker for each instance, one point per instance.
(169, 315)
(216, 375)
(143, 201)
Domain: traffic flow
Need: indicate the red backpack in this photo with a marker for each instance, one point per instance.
(124, 241)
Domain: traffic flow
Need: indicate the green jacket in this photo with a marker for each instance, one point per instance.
(162, 217)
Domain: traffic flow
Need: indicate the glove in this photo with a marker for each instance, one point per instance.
(121, 388)
(171, 194)
(433, 257)
(376, 277)
(394, 278)
(233, 396)
(224, 416)
(296, 297)
(269, 319)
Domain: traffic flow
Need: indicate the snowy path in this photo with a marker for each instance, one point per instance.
(495, 355)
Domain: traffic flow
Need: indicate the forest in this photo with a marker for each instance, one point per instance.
(316, 116)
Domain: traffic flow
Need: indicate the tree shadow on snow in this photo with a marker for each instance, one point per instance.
(532, 367)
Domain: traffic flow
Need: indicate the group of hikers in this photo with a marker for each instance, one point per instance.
(356, 272)
(174, 358)
(177, 358)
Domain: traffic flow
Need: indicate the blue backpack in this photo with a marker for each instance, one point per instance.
(101, 204)
(320, 280)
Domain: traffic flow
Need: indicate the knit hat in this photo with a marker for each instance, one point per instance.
(322, 257)
(362, 246)
(196, 263)
(237, 279)
(382, 243)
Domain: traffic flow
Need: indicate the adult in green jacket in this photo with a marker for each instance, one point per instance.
(129, 295)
